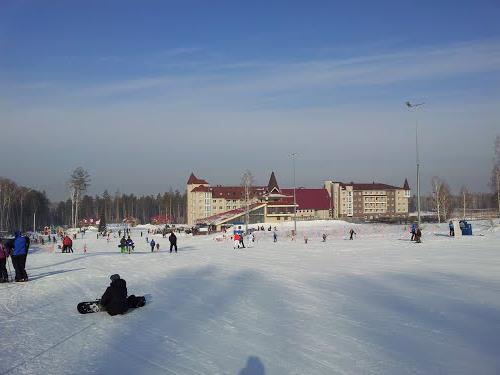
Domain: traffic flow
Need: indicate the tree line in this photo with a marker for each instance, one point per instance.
(21, 208)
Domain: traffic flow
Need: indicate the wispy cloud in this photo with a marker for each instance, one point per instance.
(268, 76)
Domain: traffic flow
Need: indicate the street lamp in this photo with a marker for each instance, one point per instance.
(414, 106)
(294, 156)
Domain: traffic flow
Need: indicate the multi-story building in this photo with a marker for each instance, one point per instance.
(368, 200)
(219, 205)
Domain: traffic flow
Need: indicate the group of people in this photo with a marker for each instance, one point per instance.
(17, 249)
(416, 233)
(67, 244)
(127, 244)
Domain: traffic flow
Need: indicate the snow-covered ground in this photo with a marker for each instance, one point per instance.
(377, 305)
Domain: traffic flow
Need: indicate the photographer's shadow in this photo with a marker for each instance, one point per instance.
(253, 367)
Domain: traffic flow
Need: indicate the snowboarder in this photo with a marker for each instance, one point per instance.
(452, 229)
(152, 244)
(19, 255)
(351, 233)
(4, 254)
(173, 241)
(115, 300)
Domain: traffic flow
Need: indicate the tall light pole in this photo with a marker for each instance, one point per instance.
(414, 106)
(294, 156)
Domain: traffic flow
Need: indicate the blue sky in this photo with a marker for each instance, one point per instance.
(141, 93)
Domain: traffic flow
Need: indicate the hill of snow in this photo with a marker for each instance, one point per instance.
(379, 304)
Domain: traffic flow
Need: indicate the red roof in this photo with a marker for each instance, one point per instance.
(235, 192)
(310, 199)
(201, 189)
(288, 201)
(195, 180)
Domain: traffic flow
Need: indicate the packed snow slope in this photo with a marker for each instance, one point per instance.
(379, 304)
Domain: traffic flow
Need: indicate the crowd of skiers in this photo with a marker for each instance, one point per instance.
(17, 249)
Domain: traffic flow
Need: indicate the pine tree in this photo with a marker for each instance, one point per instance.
(102, 223)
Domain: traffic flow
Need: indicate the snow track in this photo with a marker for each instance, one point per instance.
(376, 305)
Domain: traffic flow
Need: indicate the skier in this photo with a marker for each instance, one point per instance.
(130, 244)
(4, 254)
(418, 235)
(452, 229)
(115, 300)
(19, 255)
(275, 236)
(324, 237)
(123, 244)
(236, 238)
(241, 240)
(67, 244)
(152, 244)
(351, 233)
(305, 238)
(173, 241)
(413, 232)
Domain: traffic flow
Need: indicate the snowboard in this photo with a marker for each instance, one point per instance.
(90, 307)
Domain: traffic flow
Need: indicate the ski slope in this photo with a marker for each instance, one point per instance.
(377, 305)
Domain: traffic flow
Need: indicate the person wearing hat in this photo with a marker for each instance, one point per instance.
(115, 300)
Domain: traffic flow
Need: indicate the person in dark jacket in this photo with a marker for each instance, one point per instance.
(152, 244)
(173, 241)
(4, 254)
(115, 300)
(452, 229)
(19, 255)
(418, 235)
(130, 244)
(351, 233)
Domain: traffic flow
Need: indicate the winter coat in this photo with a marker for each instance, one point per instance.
(4, 253)
(172, 238)
(130, 242)
(114, 299)
(152, 243)
(67, 241)
(123, 242)
(21, 245)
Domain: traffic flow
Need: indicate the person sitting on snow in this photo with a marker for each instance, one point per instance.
(115, 300)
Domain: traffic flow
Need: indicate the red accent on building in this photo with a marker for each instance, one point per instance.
(201, 189)
(310, 199)
(367, 186)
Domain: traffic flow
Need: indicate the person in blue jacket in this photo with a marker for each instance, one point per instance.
(452, 228)
(152, 244)
(19, 255)
(413, 232)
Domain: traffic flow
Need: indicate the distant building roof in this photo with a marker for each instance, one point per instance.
(273, 184)
(406, 186)
(201, 189)
(369, 186)
(194, 180)
(310, 198)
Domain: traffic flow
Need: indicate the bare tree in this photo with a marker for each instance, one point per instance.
(445, 201)
(436, 193)
(465, 195)
(78, 183)
(247, 181)
(495, 173)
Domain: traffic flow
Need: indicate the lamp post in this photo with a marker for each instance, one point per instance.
(414, 106)
(294, 155)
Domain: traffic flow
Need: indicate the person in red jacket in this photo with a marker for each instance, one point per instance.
(67, 245)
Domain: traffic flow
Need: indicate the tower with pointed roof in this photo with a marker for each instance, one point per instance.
(199, 199)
